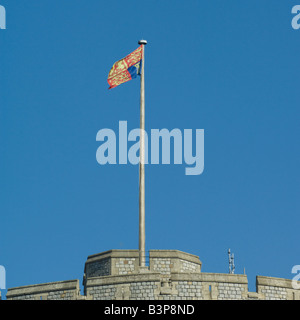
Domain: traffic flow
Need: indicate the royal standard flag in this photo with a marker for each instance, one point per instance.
(125, 69)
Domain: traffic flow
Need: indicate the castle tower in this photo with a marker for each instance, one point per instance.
(169, 275)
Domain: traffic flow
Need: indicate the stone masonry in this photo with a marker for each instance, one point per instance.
(171, 275)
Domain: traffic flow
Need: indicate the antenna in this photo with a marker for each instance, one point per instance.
(231, 262)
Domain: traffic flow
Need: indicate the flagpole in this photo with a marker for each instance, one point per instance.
(142, 251)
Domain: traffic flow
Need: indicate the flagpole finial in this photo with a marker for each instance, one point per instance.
(143, 42)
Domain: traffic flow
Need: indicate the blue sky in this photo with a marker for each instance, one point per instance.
(230, 68)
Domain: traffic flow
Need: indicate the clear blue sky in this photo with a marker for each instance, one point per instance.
(228, 67)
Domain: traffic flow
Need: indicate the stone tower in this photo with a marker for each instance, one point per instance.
(169, 275)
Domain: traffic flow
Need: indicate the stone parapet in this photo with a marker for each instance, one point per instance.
(169, 261)
(62, 290)
(271, 288)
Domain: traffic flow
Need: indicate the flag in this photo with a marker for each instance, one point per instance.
(125, 69)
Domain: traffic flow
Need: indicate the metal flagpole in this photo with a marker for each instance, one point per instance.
(142, 252)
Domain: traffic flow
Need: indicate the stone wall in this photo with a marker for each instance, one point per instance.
(139, 286)
(276, 289)
(168, 261)
(104, 292)
(207, 286)
(99, 268)
(62, 290)
(178, 286)
(112, 262)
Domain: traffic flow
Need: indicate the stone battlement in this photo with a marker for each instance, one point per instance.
(171, 275)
